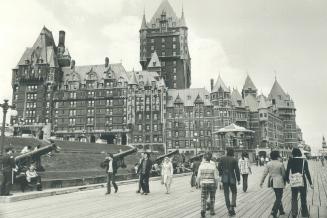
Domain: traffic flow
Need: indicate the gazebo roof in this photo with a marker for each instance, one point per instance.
(233, 128)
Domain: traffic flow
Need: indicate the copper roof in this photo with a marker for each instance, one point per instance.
(188, 96)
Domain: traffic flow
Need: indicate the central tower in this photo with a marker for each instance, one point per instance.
(166, 35)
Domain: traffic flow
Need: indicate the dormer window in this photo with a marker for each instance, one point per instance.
(27, 61)
(154, 63)
(188, 97)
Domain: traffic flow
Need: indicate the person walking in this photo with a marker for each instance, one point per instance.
(111, 170)
(144, 170)
(276, 171)
(245, 169)
(207, 178)
(167, 174)
(229, 173)
(138, 173)
(6, 166)
(195, 168)
(298, 165)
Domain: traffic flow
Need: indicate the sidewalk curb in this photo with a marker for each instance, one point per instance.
(61, 191)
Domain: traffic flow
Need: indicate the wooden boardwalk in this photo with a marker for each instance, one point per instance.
(182, 202)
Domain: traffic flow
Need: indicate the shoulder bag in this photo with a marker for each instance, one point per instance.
(296, 179)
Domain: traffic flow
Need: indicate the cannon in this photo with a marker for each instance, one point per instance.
(119, 157)
(159, 159)
(23, 161)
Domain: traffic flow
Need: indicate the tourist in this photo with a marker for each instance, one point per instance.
(137, 165)
(322, 160)
(111, 170)
(245, 169)
(144, 170)
(229, 173)
(207, 178)
(8, 163)
(262, 161)
(276, 171)
(167, 174)
(297, 164)
(33, 178)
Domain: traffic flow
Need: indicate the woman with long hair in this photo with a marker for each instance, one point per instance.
(167, 174)
(300, 165)
(245, 169)
(276, 171)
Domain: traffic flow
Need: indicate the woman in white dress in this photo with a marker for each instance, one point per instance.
(167, 174)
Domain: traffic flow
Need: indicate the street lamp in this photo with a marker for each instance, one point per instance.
(195, 143)
(5, 106)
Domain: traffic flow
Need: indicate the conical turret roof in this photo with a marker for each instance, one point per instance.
(178, 100)
(277, 90)
(220, 84)
(249, 84)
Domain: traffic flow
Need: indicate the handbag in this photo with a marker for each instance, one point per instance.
(296, 179)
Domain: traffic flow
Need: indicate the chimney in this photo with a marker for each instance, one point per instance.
(72, 65)
(61, 38)
(106, 62)
(211, 84)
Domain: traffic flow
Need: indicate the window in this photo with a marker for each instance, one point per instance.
(174, 38)
(155, 127)
(174, 85)
(163, 63)
(152, 40)
(148, 116)
(174, 53)
(140, 127)
(174, 63)
(163, 40)
(155, 116)
(174, 46)
(163, 53)
(91, 103)
(140, 116)
(174, 69)
(152, 48)
(174, 77)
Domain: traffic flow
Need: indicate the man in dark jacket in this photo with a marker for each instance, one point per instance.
(144, 171)
(7, 163)
(229, 173)
(111, 170)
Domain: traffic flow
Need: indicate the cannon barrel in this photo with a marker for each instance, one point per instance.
(125, 153)
(159, 159)
(196, 157)
(32, 154)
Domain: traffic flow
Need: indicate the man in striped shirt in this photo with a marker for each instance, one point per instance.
(208, 180)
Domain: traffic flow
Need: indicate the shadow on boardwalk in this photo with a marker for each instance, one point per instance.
(182, 202)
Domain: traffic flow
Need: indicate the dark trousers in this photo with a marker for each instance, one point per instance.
(208, 190)
(145, 183)
(303, 195)
(111, 178)
(140, 184)
(245, 182)
(233, 189)
(5, 183)
(278, 205)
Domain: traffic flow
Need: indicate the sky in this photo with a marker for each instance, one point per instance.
(260, 38)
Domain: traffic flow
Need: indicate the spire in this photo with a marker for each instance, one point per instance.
(183, 23)
(143, 25)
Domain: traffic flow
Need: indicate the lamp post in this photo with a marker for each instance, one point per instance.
(5, 106)
(195, 143)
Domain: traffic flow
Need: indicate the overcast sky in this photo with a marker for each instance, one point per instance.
(259, 37)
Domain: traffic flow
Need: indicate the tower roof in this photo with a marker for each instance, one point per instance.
(183, 22)
(143, 25)
(166, 8)
(220, 84)
(249, 84)
(277, 90)
(43, 48)
(154, 62)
